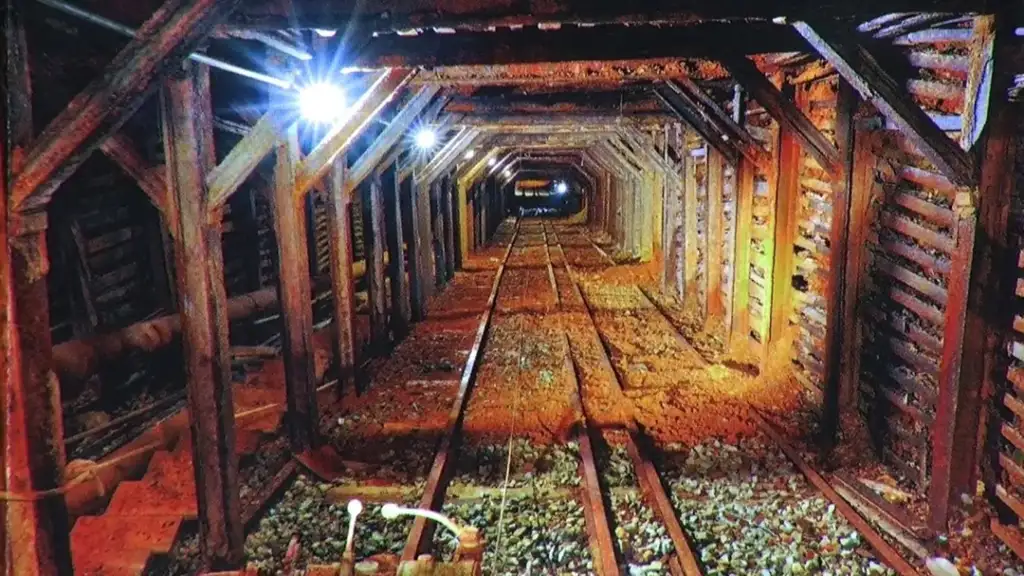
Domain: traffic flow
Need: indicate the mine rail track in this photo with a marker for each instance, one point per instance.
(686, 561)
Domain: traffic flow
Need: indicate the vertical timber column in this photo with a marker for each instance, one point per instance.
(373, 237)
(838, 251)
(294, 295)
(425, 243)
(339, 230)
(448, 218)
(740, 329)
(647, 223)
(35, 532)
(787, 198)
(401, 314)
(715, 220)
(417, 296)
(437, 189)
(188, 140)
(690, 239)
(464, 220)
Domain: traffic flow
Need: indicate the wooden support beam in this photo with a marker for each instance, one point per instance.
(740, 329)
(787, 201)
(228, 176)
(398, 128)
(188, 141)
(339, 231)
(784, 111)
(167, 37)
(296, 308)
(448, 195)
(319, 161)
(34, 528)
(744, 142)
(837, 333)
(689, 223)
(688, 111)
(855, 64)
(715, 236)
(417, 291)
(374, 242)
(120, 149)
(401, 313)
(437, 231)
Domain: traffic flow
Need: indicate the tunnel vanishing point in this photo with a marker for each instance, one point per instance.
(648, 287)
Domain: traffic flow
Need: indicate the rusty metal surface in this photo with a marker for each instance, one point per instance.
(188, 141)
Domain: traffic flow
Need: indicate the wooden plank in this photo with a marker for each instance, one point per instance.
(858, 67)
(100, 109)
(374, 242)
(417, 292)
(837, 290)
(680, 102)
(401, 312)
(716, 221)
(784, 111)
(289, 217)
(188, 133)
(448, 195)
(920, 233)
(689, 225)
(787, 198)
(339, 231)
(740, 329)
(126, 155)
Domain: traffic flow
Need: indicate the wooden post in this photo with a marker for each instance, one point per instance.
(401, 314)
(715, 220)
(373, 239)
(787, 199)
(339, 230)
(740, 329)
(425, 242)
(448, 218)
(835, 330)
(293, 287)
(34, 531)
(188, 134)
(689, 292)
(417, 292)
(464, 221)
(437, 189)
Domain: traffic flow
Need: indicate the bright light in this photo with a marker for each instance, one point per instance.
(561, 188)
(322, 103)
(469, 154)
(426, 139)
(507, 172)
(492, 161)
(323, 33)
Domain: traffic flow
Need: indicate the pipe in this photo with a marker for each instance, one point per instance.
(274, 42)
(98, 20)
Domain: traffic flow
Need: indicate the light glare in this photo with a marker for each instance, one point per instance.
(323, 103)
(492, 161)
(561, 188)
(469, 154)
(325, 33)
(426, 139)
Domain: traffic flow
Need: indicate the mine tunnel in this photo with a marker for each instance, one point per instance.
(517, 287)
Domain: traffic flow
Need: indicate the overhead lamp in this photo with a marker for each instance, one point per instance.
(561, 188)
(492, 161)
(469, 154)
(425, 139)
(507, 172)
(325, 33)
(323, 103)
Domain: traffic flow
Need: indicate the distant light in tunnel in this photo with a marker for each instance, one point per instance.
(323, 103)
(469, 154)
(324, 33)
(561, 188)
(425, 139)
(507, 172)
(492, 161)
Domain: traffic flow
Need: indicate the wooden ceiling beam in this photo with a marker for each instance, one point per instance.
(123, 152)
(784, 110)
(160, 44)
(573, 44)
(480, 14)
(689, 112)
(858, 67)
